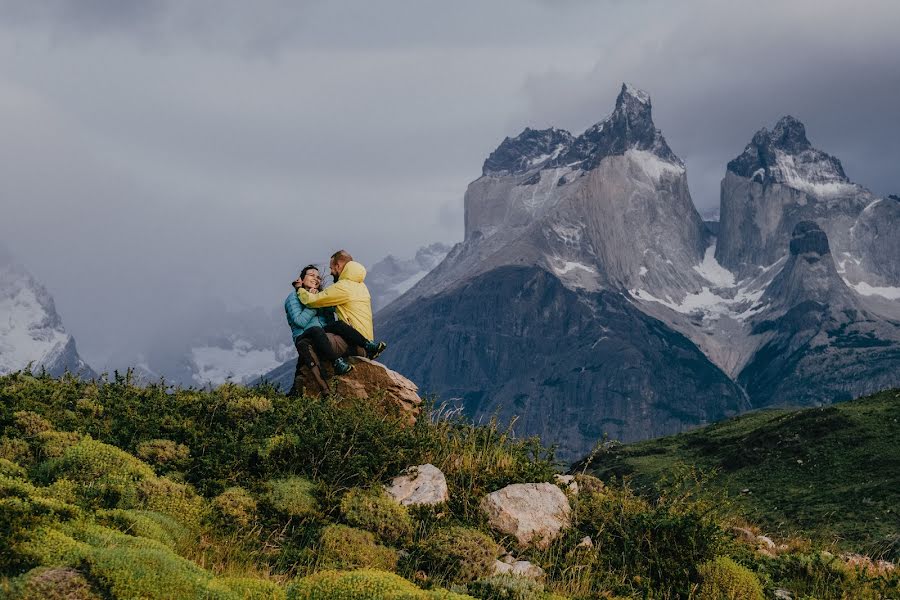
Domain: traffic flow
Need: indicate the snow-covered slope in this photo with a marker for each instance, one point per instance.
(391, 277)
(31, 331)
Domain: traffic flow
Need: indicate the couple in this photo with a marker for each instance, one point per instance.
(331, 323)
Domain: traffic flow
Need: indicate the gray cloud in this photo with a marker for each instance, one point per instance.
(161, 157)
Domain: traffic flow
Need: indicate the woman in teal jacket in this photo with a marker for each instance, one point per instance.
(299, 316)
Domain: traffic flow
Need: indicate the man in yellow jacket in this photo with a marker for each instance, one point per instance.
(353, 305)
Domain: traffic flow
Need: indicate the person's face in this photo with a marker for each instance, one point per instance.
(336, 268)
(311, 280)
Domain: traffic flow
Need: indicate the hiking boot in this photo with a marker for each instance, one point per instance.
(374, 349)
(342, 367)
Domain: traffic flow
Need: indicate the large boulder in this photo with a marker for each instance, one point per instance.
(423, 484)
(533, 513)
(368, 380)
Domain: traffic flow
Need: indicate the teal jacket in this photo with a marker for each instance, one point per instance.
(301, 317)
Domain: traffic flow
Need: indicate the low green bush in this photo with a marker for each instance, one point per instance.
(292, 497)
(163, 452)
(459, 554)
(145, 523)
(133, 572)
(50, 583)
(244, 588)
(235, 507)
(374, 510)
(364, 584)
(724, 579)
(506, 587)
(343, 547)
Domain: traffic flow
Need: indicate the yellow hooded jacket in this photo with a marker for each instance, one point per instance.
(350, 297)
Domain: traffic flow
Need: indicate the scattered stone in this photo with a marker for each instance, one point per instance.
(420, 485)
(765, 542)
(534, 513)
(586, 542)
(521, 568)
(568, 482)
(744, 534)
(783, 594)
(866, 564)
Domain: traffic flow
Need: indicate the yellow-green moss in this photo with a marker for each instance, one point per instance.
(147, 524)
(129, 572)
(293, 497)
(507, 587)
(235, 506)
(53, 444)
(460, 554)
(11, 469)
(366, 584)
(177, 500)
(243, 407)
(31, 423)
(50, 547)
(724, 579)
(245, 588)
(375, 511)
(15, 450)
(344, 547)
(52, 583)
(163, 452)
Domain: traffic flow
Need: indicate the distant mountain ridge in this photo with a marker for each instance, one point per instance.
(31, 331)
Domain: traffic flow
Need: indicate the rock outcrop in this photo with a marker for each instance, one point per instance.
(419, 485)
(533, 513)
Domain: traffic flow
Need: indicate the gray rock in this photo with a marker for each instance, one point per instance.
(420, 485)
(520, 568)
(533, 513)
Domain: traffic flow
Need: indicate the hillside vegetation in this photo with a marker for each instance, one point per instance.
(829, 473)
(111, 490)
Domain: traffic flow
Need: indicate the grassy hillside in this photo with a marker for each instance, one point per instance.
(830, 473)
(114, 491)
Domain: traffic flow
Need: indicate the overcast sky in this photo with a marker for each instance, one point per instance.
(156, 155)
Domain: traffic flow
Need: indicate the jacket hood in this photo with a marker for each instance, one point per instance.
(353, 271)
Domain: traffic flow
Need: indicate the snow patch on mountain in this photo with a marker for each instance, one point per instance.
(654, 166)
(864, 289)
(239, 364)
(712, 271)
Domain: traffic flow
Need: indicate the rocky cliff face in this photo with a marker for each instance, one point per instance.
(31, 331)
(571, 365)
(778, 181)
(817, 340)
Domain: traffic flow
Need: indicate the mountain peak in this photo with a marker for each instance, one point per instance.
(785, 155)
(808, 237)
(790, 135)
(630, 94)
(526, 151)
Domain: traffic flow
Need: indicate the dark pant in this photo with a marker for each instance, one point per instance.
(346, 331)
(303, 347)
(320, 343)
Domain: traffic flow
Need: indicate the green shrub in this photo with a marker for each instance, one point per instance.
(245, 588)
(375, 511)
(658, 544)
(362, 585)
(105, 474)
(129, 572)
(292, 497)
(506, 587)
(163, 452)
(724, 579)
(460, 554)
(31, 423)
(11, 469)
(344, 547)
(52, 583)
(47, 546)
(177, 500)
(15, 450)
(147, 524)
(235, 506)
